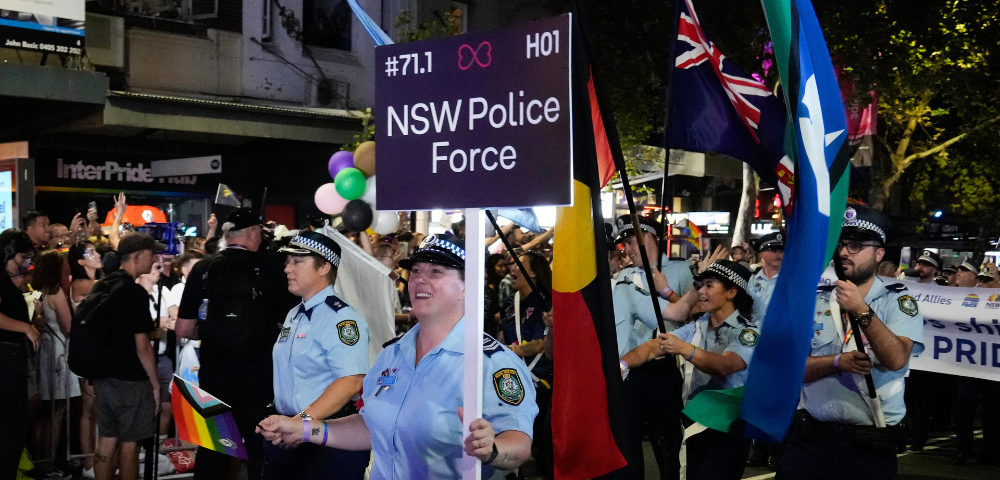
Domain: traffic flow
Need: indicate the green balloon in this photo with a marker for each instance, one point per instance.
(350, 183)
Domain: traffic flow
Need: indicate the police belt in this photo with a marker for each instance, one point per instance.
(874, 439)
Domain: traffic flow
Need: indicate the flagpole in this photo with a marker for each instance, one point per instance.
(859, 343)
(616, 152)
(664, 230)
(517, 261)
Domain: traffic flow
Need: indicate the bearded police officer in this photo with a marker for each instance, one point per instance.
(835, 434)
(652, 390)
(927, 266)
(234, 303)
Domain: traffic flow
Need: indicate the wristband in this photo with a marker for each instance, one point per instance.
(666, 292)
(623, 365)
(305, 431)
(691, 355)
(326, 432)
(493, 456)
(836, 361)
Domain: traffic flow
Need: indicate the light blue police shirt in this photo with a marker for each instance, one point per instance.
(635, 319)
(735, 334)
(837, 398)
(411, 410)
(760, 289)
(322, 340)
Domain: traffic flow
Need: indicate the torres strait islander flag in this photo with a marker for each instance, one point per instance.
(587, 426)
(819, 130)
(205, 420)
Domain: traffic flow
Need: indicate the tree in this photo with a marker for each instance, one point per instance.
(966, 181)
(928, 62)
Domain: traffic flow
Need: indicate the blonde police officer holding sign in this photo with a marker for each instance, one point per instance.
(320, 359)
(413, 394)
(836, 433)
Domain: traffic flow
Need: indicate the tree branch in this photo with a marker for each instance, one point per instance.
(926, 153)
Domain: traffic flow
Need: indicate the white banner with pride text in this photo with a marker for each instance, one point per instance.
(961, 330)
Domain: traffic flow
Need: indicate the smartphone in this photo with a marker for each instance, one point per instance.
(404, 249)
(92, 205)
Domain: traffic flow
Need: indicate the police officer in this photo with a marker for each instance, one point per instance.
(761, 285)
(834, 434)
(966, 274)
(948, 274)
(927, 266)
(760, 288)
(234, 302)
(717, 348)
(320, 359)
(652, 390)
(410, 418)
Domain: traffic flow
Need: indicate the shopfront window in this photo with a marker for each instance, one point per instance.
(327, 24)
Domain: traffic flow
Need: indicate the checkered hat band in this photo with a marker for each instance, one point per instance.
(451, 247)
(313, 245)
(729, 274)
(866, 225)
(643, 226)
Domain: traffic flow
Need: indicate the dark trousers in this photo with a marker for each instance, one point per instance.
(541, 444)
(967, 393)
(309, 461)
(925, 392)
(653, 407)
(714, 455)
(249, 401)
(822, 458)
(13, 407)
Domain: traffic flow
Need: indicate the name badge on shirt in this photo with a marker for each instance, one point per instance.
(285, 331)
(386, 380)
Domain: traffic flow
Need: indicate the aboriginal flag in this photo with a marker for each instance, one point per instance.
(586, 406)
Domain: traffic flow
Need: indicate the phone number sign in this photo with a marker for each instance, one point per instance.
(476, 121)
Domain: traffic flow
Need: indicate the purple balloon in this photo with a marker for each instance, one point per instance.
(339, 161)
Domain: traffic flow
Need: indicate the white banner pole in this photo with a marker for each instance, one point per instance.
(472, 384)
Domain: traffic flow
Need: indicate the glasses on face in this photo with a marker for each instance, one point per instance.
(855, 247)
(90, 254)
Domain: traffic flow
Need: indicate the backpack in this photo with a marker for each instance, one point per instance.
(235, 326)
(91, 352)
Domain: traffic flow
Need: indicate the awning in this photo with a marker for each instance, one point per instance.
(129, 114)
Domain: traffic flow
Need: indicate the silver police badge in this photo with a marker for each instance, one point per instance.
(850, 216)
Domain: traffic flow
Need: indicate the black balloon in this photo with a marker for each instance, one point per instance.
(357, 215)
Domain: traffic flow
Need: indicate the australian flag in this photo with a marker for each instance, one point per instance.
(716, 107)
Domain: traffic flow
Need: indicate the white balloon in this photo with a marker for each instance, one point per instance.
(369, 195)
(386, 223)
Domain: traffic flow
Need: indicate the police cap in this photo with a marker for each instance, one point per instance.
(861, 222)
(626, 229)
(771, 241)
(446, 250)
(727, 270)
(930, 258)
(308, 242)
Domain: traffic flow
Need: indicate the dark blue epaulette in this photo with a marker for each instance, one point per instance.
(490, 345)
(825, 288)
(896, 287)
(746, 321)
(335, 303)
(393, 340)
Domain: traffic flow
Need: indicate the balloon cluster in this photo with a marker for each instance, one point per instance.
(352, 193)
